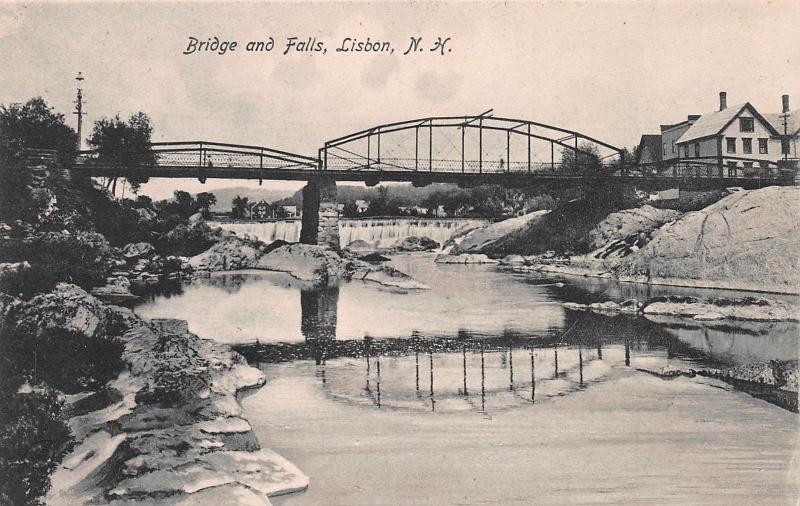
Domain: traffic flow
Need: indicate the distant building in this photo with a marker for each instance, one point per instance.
(649, 149)
(261, 210)
(290, 211)
(362, 206)
(670, 135)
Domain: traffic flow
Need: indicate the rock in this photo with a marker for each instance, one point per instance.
(414, 243)
(750, 239)
(513, 260)
(196, 218)
(232, 253)
(388, 276)
(146, 214)
(465, 258)
(72, 308)
(135, 251)
(115, 292)
(480, 238)
(306, 262)
(745, 308)
(359, 245)
(374, 257)
(629, 222)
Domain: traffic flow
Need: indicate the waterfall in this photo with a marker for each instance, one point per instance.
(378, 233)
(268, 231)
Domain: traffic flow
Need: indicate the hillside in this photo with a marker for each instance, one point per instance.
(225, 196)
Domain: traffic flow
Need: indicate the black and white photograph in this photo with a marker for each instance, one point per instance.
(399, 253)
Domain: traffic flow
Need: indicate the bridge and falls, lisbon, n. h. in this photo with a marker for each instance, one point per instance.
(467, 150)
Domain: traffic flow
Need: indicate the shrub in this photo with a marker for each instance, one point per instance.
(33, 440)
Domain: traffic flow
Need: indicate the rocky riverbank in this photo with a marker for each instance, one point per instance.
(747, 240)
(168, 426)
(744, 308)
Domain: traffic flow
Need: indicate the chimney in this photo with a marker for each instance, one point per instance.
(723, 100)
(785, 103)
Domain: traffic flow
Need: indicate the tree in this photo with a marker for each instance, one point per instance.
(125, 143)
(185, 203)
(587, 158)
(239, 206)
(203, 202)
(37, 125)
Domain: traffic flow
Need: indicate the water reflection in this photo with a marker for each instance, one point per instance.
(597, 348)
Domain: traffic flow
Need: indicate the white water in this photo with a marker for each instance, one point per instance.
(378, 233)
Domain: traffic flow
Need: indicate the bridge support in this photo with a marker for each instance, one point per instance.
(320, 213)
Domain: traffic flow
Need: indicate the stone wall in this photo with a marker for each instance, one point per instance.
(320, 213)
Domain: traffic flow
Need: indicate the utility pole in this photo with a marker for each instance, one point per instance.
(79, 108)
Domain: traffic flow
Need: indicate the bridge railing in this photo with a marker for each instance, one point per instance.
(206, 155)
(709, 168)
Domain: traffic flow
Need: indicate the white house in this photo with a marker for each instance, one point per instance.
(737, 132)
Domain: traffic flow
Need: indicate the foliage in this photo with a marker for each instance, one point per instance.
(125, 143)
(203, 202)
(34, 124)
(240, 206)
(33, 440)
(81, 258)
(586, 159)
(30, 125)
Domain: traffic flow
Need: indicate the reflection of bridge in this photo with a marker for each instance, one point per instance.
(468, 150)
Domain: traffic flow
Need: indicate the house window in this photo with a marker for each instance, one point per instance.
(665, 149)
(673, 145)
(784, 146)
(747, 165)
(731, 141)
(731, 169)
(696, 149)
(686, 150)
(746, 124)
(747, 146)
(763, 146)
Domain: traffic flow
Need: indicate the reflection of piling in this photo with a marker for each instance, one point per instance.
(464, 363)
(367, 349)
(510, 368)
(533, 378)
(599, 351)
(483, 381)
(416, 362)
(378, 383)
(580, 365)
(627, 353)
(555, 356)
(433, 401)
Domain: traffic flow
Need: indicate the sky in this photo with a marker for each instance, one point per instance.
(610, 69)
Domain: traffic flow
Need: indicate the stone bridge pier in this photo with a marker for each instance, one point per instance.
(320, 213)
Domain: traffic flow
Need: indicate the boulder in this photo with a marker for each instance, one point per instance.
(359, 245)
(479, 239)
(146, 214)
(628, 222)
(306, 262)
(196, 218)
(750, 239)
(115, 291)
(414, 243)
(135, 251)
(232, 253)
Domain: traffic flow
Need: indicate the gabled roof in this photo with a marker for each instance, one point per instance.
(776, 119)
(714, 123)
(652, 143)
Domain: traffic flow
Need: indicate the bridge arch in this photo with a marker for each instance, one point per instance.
(482, 144)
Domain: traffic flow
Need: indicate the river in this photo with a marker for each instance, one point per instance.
(485, 389)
